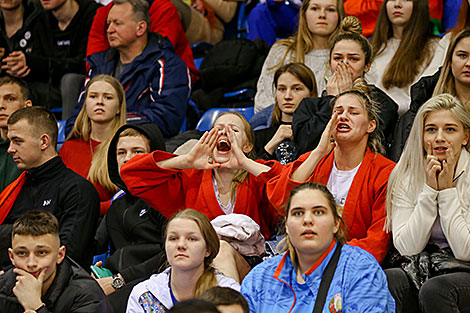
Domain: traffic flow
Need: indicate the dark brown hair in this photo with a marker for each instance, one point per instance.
(7, 79)
(463, 20)
(225, 296)
(407, 60)
(302, 73)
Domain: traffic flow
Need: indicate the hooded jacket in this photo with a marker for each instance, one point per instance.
(156, 82)
(72, 291)
(133, 229)
(23, 38)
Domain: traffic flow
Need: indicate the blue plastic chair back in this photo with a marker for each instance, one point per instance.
(61, 133)
(206, 121)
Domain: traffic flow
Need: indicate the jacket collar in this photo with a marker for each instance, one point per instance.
(462, 164)
(47, 170)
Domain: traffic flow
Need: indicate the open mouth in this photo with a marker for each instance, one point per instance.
(223, 146)
(440, 149)
(343, 127)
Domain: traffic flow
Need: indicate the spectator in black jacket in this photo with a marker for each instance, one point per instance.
(44, 279)
(58, 47)
(47, 184)
(350, 59)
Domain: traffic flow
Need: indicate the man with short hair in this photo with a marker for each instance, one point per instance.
(155, 79)
(43, 278)
(226, 299)
(14, 95)
(47, 184)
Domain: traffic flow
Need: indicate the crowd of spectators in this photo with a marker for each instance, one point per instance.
(346, 192)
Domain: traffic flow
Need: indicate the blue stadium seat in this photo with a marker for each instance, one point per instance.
(61, 134)
(206, 121)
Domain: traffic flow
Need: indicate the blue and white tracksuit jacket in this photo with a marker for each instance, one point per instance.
(358, 285)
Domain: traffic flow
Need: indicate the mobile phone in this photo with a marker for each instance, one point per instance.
(100, 272)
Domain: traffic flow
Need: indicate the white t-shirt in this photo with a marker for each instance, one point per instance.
(339, 184)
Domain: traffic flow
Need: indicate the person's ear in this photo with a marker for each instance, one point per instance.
(61, 255)
(28, 103)
(10, 254)
(336, 228)
(141, 28)
(372, 126)
(247, 148)
(208, 252)
(45, 141)
(366, 68)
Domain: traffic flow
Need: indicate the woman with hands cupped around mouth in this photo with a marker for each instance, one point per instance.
(428, 211)
(348, 162)
(217, 177)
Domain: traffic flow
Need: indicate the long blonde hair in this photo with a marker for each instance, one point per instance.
(412, 162)
(302, 42)
(446, 82)
(98, 172)
(208, 278)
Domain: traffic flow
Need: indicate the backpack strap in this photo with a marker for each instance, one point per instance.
(326, 279)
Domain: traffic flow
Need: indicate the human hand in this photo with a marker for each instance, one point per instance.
(282, 133)
(326, 144)
(446, 175)
(341, 80)
(15, 64)
(2, 272)
(200, 155)
(2, 52)
(433, 168)
(28, 289)
(105, 284)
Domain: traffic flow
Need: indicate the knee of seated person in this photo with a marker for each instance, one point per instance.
(435, 290)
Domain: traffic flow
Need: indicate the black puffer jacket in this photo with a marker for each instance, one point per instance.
(72, 291)
(312, 115)
(133, 229)
(420, 93)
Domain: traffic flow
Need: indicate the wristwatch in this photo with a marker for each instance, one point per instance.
(118, 282)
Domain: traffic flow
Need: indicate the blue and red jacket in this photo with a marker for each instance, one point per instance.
(358, 285)
(157, 84)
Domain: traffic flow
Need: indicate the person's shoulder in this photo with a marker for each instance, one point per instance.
(381, 163)
(225, 281)
(357, 261)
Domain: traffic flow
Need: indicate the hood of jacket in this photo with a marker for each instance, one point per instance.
(150, 130)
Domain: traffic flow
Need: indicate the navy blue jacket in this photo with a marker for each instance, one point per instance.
(156, 82)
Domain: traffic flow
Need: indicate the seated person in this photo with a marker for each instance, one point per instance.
(352, 169)
(131, 228)
(350, 58)
(194, 305)
(14, 95)
(315, 257)
(47, 184)
(226, 299)
(85, 150)
(164, 20)
(217, 177)
(59, 40)
(191, 245)
(428, 207)
(292, 82)
(155, 80)
(44, 279)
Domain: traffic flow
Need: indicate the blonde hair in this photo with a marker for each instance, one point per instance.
(446, 82)
(302, 42)
(285, 244)
(98, 172)
(208, 277)
(412, 162)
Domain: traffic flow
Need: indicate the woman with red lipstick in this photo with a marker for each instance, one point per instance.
(292, 82)
(318, 22)
(347, 161)
(404, 46)
(191, 244)
(350, 59)
(216, 177)
(314, 245)
(428, 210)
(86, 148)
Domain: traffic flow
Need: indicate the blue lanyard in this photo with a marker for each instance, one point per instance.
(173, 298)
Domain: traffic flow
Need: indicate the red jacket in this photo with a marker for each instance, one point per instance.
(364, 211)
(170, 191)
(77, 156)
(164, 19)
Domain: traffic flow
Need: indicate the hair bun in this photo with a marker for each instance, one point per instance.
(351, 24)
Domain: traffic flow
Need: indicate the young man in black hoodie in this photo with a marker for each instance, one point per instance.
(132, 229)
(44, 279)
